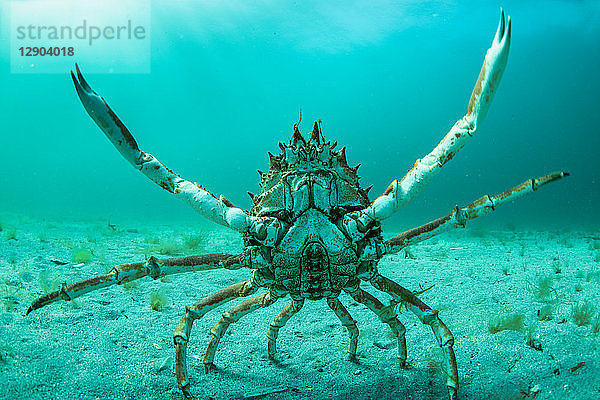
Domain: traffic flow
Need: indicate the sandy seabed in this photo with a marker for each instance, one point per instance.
(111, 344)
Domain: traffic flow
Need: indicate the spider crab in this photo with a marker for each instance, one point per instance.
(312, 231)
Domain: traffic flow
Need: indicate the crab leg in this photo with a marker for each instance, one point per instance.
(181, 336)
(459, 216)
(154, 268)
(279, 322)
(387, 315)
(346, 319)
(429, 317)
(229, 317)
(219, 210)
(401, 192)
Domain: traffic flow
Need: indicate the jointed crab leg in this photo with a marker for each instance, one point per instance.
(400, 192)
(219, 210)
(279, 322)
(459, 216)
(429, 317)
(386, 315)
(181, 336)
(231, 316)
(346, 319)
(154, 267)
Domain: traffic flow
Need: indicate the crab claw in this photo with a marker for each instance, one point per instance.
(500, 30)
(213, 208)
(401, 192)
(491, 73)
(106, 119)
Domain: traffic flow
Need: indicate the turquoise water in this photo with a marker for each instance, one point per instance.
(227, 80)
(388, 80)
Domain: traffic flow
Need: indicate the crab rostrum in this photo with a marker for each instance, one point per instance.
(312, 232)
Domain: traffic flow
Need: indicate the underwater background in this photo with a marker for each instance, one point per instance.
(519, 289)
(388, 79)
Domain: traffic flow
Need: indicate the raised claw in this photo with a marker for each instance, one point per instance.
(500, 30)
(82, 81)
(490, 75)
(106, 119)
(401, 192)
(218, 210)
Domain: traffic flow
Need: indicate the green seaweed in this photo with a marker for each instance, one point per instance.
(42, 236)
(91, 237)
(542, 289)
(503, 240)
(556, 266)
(532, 339)
(171, 246)
(168, 246)
(10, 234)
(408, 253)
(193, 242)
(5, 353)
(146, 251)
(596, 325)
(440, 254)
(566, 241)
(546, 313)
(109, 230)
(158, 300)
(82, 255)
(45, 284)
(582, 313)
(151, 240)
(541, 247)
(10, 304)
(10, 294)
(130, 285)
(592, 275)
(512, 322)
